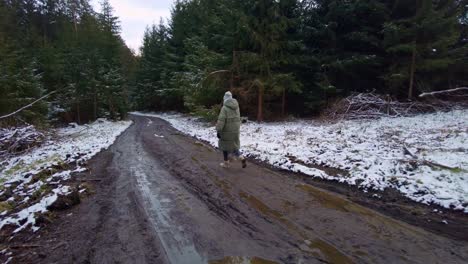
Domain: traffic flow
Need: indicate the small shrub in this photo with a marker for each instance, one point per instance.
(6, 206)
(207, 114)
(43, 190)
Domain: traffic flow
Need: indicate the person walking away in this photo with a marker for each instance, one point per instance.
(228, 130)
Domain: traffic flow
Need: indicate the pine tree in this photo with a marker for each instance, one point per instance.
(270, 53)
(151, 67)
(348, 42)
(62, 46)
(419, 40)
(267, 27)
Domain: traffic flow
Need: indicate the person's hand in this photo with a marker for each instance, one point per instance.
(218, 135)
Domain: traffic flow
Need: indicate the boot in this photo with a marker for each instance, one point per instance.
(244, 161)
(225, 164)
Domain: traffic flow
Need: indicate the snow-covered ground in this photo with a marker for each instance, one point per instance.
(367, 153)
(34, 180)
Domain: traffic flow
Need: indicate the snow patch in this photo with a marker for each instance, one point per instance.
(35, 172)
(28, 215)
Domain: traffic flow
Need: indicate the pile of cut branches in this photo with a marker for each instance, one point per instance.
(17, 140)
(371, 105)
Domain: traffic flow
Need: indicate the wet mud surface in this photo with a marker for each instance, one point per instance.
(161, 197)
(434, 218)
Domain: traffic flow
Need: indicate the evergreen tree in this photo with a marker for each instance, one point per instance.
(267, 50)
(151, 66)
(62, 46)
(419, 39)
(276, 56)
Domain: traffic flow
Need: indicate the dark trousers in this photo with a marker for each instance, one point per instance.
(235, 153)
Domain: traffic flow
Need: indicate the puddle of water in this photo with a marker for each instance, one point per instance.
(242, 260)
(201, 145)
(333, 202)
(222, 184)
(360, 253)
(178, 248)
(382, 226)
(288, 207)
(260, 206)
(328, 252)
(317, 247)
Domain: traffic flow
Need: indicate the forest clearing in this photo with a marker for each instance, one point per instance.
(254, 131)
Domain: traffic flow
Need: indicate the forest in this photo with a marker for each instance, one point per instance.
(279, 58)
(68, 52)
(351, 145)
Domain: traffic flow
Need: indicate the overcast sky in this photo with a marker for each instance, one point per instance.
(135, 15)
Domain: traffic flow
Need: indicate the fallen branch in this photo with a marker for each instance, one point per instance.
(19, 140)
(215, 72)
(444, 91)
(433, 164)
(212, 73)
(424, 162)
(407, 152)
(371, 105)
(27, 106)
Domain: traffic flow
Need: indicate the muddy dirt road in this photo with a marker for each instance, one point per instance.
(164, 199)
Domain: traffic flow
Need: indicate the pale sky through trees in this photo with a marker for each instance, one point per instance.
(135, 15)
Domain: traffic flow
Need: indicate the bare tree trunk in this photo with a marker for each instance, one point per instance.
(44, 36)
(260, 104)
(122, 114)
(450, 80)
(111, 109)
(283, 103)
(78, 117)
(231, 82)
(94, 104)
(412, 69)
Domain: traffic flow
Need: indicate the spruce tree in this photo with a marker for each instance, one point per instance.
(418, 41)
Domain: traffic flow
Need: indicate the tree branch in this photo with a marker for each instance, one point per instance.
(215, 72)
(445, 91)
(26, 106)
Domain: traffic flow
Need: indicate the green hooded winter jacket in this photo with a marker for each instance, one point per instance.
(228, 126)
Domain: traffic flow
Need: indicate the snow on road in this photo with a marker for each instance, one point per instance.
(35, 178)
(368, 153)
